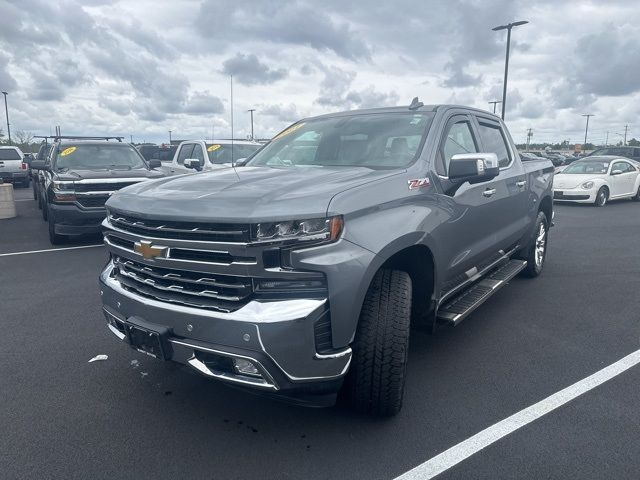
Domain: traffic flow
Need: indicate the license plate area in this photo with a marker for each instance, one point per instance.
(148, 339)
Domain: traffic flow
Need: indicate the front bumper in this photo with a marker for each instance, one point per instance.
(575, 195)
(73, 220)
(276, 336)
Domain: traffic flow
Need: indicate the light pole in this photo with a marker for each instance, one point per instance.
(251, 110)
(494, 103)
(586, 129)
(169, 137)
(6, 111)
(507, 27)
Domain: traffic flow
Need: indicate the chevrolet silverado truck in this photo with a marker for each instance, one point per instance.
(198, 155)
(77, 177)
(301, 273)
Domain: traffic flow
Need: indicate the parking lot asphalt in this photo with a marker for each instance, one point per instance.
(134, 417)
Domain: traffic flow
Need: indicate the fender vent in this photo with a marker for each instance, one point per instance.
(322, 333)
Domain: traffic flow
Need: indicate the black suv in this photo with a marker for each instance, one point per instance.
(77, 177)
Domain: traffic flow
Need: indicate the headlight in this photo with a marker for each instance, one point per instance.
(63, 191)
(315, 229)
(587, 185)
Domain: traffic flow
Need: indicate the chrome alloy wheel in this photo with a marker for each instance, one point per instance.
(541, 245)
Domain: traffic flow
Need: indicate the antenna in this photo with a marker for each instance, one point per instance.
(415, 104)
(232, 164)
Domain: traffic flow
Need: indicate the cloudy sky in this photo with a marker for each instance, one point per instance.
(144, 67)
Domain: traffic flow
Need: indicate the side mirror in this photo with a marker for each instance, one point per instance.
(616, 172)
(37, 165)
(192, 163)
(474, 167)
(154, 163)
(240, 162)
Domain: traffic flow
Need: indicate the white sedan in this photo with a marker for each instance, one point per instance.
(597, 180)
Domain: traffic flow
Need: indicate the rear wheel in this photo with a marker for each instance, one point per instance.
(34, 187)
(536, 253)
(602, 197)
(375, 383)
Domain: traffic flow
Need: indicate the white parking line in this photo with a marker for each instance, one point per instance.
(50, 250)
(486, 437)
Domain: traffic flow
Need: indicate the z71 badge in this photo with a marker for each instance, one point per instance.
(418, 183)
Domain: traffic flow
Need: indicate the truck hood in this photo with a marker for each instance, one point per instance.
(243, 194)
(564, 180)
(79, 174)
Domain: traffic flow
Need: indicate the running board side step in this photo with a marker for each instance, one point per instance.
(459, 307)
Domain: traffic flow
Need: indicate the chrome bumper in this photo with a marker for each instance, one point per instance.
(277, 336)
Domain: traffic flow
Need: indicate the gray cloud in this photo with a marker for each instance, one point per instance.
(294, 23)
(203, 103)
(248, 70)
(283, 113)
(336, 91)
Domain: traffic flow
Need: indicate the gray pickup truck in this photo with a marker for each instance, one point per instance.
(300, 273)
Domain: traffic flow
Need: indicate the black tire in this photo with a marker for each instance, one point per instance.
(636, 197)
(26, 183)
(54, 238)
(536, 253)
(35, 191)
(602, 197)
(375, 383)
(45, 208)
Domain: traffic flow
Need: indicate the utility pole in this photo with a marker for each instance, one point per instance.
(529, 135)
(606, 140)
(626, 129)
(169, 137)
(507, 27)
(131, 138)
(251, 110)
(494, 103)
(586, 129)
(6, 111)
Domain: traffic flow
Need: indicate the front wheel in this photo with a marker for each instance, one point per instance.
(602, 197)
(54, 238)
(536, 253)
(375, 383)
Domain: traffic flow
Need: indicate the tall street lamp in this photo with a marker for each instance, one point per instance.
(586, 129)
(6, 111)
(507, 27)
(251, 110)
(494, 103)
(169, 137)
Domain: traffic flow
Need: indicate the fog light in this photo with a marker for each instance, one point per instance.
(245, 367)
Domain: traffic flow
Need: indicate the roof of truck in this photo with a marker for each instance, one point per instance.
(402, 109)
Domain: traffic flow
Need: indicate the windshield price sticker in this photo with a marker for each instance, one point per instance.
(213, 148)
(67, 151)
(289, 130)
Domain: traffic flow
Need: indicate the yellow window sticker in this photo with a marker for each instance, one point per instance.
(213, 148)
(67, 151)
(289, 130)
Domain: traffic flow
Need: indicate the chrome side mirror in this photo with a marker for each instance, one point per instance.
(474, 167)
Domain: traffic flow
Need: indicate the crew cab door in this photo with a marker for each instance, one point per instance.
(467, 239)
(509, 220)
(623, 183)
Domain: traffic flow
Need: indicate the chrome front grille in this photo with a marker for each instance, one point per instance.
(211, 291)
(208, 232)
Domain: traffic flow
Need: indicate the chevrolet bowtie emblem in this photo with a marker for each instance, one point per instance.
(148, 250)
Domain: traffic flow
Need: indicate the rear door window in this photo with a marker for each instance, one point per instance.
(493, 141)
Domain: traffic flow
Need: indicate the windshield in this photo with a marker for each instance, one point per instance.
(619, 152)
(222, 153)
(388, 140)
(592, 167)
(9, 154)
(98, 157)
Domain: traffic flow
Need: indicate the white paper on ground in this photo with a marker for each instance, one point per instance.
(98, 358)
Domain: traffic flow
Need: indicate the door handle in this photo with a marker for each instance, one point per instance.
(521, 183)
(489, 192)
